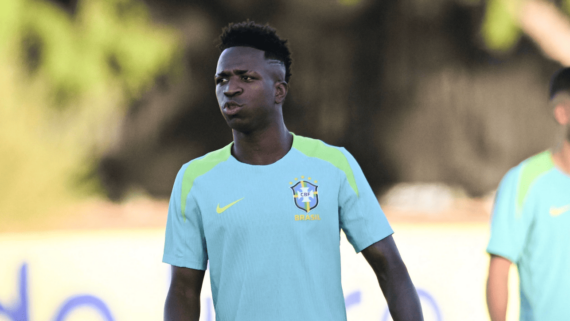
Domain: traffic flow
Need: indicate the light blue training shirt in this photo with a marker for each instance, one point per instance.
(272, 232)
(531, 227)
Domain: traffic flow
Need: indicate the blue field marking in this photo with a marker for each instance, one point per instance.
(353, 298)
(20, 310)
(78, 301)
(209, 308)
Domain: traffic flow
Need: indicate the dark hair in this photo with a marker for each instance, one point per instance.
(560, 81)
(262, 37)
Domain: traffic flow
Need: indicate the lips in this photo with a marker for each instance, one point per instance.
(231, 108)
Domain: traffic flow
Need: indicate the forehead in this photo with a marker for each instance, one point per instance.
(242, 58)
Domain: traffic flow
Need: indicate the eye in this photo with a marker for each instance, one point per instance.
(247, 78)
(220, 80)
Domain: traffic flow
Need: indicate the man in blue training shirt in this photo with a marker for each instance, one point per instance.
(531, 226)
(266, 210)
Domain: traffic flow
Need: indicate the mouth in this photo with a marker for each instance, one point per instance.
(231, 108)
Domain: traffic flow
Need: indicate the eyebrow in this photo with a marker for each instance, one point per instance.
(235, 71)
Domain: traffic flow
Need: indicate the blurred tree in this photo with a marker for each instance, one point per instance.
(64, 81)
(500, 29)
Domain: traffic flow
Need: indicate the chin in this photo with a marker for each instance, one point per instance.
(239, 125)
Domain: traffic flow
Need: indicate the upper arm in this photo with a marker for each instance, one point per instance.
(499, 265)
(187, 281)
(383, 255)
(183, 299)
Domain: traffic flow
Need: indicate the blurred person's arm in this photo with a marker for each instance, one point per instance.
(395, 282)
(510, 225)
(548, 27)
(498, 288)
(183, 299)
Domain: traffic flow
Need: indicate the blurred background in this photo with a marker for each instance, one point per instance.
(102, 101)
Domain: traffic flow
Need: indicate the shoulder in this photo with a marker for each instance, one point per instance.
(528, 174)
(310, 147)
(316, 148)
(211, 158)
(198, 167)
(202, 165)
(334, 155)
(533, 170)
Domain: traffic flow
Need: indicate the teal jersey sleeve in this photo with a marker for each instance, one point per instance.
(185, 244)
(361, 217)
(510, 223)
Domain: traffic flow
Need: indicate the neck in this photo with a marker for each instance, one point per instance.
(262, 147)
(561, 157)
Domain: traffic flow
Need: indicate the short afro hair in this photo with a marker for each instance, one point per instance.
(560, 81)
(261, 37)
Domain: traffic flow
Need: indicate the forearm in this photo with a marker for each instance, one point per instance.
(181, 306)
(497, 288)
(400, 293)
(394, 280)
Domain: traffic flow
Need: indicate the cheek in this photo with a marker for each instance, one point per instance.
(257, 93)
(266, 91)
(219, 94)
(257, 87)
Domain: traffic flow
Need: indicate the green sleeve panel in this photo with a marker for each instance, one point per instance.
(316, 148)
(198, 168)
(532, 169)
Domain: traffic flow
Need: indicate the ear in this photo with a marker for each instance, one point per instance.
(562, 114)
(281, 89)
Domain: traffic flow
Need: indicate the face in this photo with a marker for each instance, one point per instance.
(249, 88)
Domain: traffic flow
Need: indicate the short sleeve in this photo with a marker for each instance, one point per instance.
(361, 217)
(185, 244)
(509, 225)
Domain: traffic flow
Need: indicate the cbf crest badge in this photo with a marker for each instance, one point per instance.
(305, 194)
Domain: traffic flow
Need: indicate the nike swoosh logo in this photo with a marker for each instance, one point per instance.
(560, 210)
(220, 210)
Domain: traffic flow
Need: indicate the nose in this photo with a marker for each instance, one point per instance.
(232, 89)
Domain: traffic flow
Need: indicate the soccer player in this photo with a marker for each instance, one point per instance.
(267, 209)
(531, 226)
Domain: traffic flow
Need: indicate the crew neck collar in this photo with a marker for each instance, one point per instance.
(276, 163)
